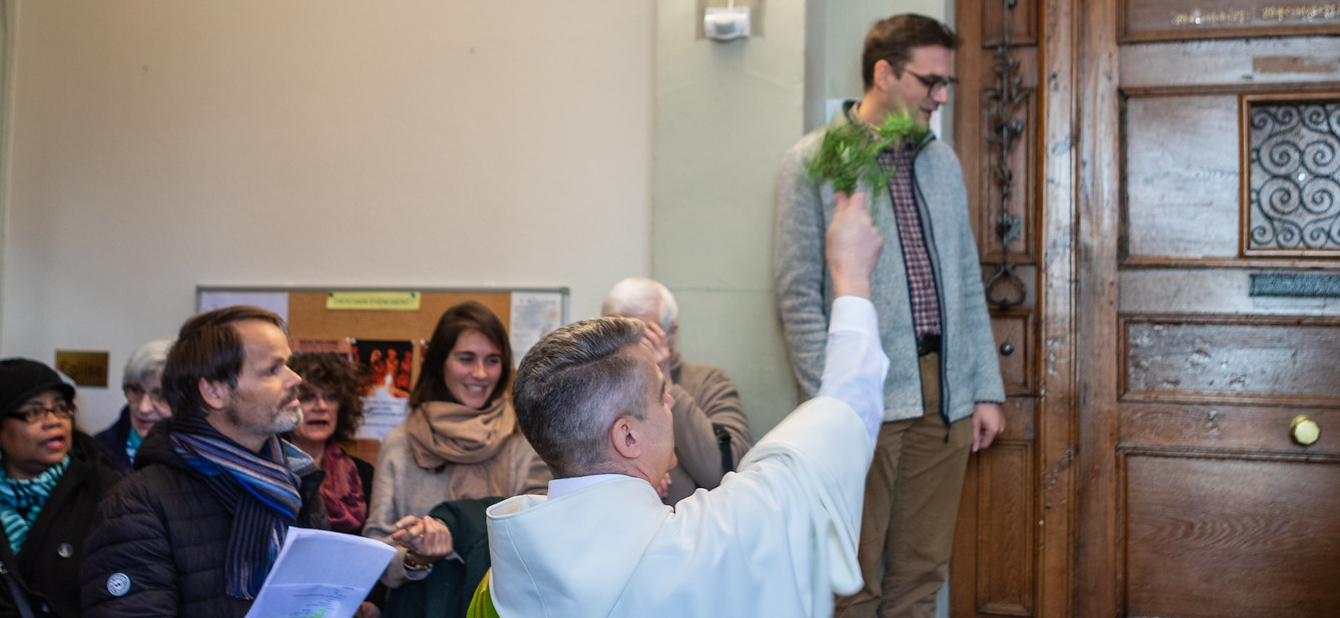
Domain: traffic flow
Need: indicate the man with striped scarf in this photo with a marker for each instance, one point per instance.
(195, 530)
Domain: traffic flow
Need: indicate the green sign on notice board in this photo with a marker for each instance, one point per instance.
(372, 301)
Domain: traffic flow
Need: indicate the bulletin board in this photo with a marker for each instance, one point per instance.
(312, 314)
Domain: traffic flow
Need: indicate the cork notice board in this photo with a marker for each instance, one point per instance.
(308, 317)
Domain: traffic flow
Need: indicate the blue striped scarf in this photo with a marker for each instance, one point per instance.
(259, 489)
(22, 500)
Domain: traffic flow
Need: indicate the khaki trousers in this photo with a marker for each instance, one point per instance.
(911, 502)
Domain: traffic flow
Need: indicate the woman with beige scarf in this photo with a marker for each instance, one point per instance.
(460, 440)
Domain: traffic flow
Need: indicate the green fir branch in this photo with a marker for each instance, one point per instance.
(848, 154)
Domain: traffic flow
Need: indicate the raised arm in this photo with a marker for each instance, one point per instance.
(856, 365)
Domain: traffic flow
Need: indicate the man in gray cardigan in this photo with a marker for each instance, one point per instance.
(943, 392)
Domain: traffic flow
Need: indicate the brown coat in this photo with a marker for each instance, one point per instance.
(705, 400)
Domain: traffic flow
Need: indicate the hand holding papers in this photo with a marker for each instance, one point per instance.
(321, 574)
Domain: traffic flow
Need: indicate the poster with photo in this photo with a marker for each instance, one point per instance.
(386, 395)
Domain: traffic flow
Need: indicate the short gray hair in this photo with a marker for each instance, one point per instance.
(571, 388)
(147, 359)
(640, 296)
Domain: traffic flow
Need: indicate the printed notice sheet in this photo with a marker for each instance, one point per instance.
(534, 314)
(273, 301)
(321, 574)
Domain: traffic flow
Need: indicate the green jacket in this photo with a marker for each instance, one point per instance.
(447, 590)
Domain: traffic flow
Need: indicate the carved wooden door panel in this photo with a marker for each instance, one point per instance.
(1208, 296)
(997, 568)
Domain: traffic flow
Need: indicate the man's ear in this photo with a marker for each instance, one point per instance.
(623, 437)
(884, 75)
(215, 394)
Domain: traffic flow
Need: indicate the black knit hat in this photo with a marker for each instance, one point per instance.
(21, 379)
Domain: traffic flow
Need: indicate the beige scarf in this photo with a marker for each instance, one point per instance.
(471, 440)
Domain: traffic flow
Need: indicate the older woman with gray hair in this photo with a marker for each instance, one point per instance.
(142, 382)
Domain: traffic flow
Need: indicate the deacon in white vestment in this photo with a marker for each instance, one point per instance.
(776, 539)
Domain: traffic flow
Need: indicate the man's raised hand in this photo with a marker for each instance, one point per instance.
(852, 247)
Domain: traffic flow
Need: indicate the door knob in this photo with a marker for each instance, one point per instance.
(1304, 430)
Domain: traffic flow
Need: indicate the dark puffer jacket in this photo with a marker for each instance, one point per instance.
(162, 540)
(48, 563)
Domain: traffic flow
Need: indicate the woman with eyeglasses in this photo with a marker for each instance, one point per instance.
(51, 480)
(142, 382)
(331, 414)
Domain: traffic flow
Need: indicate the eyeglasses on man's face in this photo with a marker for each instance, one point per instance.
(934, 83)
(32, 414)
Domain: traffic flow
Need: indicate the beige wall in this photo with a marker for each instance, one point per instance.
(157, 145)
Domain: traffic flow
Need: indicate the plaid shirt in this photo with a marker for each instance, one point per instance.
(920, 276)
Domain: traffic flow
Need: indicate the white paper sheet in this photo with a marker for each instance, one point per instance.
(273, 301)
(381, 415)
(534, 314)
(321, 574)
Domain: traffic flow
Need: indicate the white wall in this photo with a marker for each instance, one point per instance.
(725, 113)
(157, 145)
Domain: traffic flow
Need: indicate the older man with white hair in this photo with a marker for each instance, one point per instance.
(711, 429)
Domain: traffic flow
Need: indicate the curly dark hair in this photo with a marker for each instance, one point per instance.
(327, 370)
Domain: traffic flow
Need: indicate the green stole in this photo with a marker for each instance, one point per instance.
(481, 606)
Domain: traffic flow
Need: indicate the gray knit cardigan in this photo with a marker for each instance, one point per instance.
(804, 290)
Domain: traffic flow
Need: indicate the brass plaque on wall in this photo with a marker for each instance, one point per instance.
(85, 368)
(1156, 20)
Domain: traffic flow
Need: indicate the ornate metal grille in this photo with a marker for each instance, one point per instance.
(1005, 289)
(1294, 189)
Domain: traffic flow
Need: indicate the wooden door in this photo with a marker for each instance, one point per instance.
(1178, 182)
(1208, 308)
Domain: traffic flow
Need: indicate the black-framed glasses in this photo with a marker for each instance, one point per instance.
(135, 393)
(32, 414)
(934, 82)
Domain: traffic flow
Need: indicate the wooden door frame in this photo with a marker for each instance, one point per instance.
(1063, 268)
(1098, 578)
